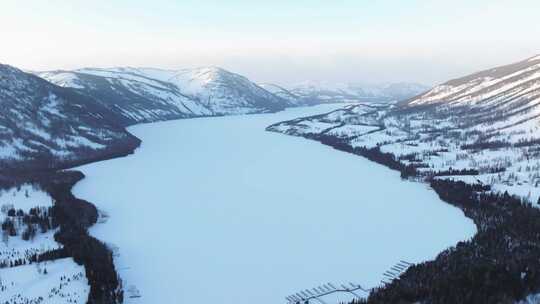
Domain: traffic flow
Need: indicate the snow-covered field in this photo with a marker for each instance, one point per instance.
(217, 210)
(60, 281)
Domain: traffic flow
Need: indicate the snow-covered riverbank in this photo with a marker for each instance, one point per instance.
(219, 210)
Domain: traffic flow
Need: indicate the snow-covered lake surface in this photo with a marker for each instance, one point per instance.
(217, 210)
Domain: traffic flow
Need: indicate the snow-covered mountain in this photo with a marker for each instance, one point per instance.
(45, 125)
(147, 94)
(499, 105)
(321, 92)
(226, 93)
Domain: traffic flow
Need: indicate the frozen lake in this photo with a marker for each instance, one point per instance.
(217, 210)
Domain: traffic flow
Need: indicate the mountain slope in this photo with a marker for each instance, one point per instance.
(146, 94)
(509, 82)
(43, 125)
(501, 104)
(129, 93)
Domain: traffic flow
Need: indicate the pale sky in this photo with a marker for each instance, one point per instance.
(280, 41)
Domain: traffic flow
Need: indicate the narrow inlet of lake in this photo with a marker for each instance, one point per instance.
(217, 210)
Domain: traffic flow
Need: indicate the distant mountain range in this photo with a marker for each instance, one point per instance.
(309, 93)
(148, 94)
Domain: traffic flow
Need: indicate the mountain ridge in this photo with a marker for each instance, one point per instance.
(150, 94)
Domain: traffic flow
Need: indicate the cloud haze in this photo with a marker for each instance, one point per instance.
(276, 41)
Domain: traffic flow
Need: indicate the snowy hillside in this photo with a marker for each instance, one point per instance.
(129, 93)
(487, 122)
(147, 94)
(321, 92)
(511, 83)
(44, 125)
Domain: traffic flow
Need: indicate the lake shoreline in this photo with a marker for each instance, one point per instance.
(86, 189)
(495, 218)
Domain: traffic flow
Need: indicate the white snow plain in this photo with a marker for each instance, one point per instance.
(218, 210)
(63, 282)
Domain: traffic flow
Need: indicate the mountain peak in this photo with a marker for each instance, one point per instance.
(211, 69)
(202, 75)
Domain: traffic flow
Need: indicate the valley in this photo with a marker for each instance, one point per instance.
(219, 210)
(220, 205)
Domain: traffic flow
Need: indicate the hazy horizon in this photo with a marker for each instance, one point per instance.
(277, 42)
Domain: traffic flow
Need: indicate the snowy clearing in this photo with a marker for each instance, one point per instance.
(60, 281)
(23, 198)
